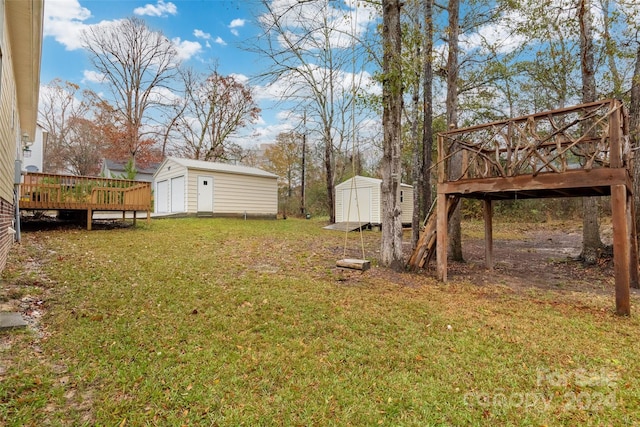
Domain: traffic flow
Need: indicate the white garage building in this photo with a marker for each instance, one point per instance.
(185, 186)
(363, 195)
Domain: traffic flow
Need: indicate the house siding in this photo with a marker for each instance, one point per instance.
(8, 144)
(9, 132)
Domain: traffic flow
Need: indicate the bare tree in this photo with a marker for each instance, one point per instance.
(60, 104)
(84, 147)
(311, 48)
(138, 64)
(215, 108)
(392, 89)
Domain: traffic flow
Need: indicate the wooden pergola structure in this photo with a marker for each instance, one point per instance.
(41, 191)
(580, 151)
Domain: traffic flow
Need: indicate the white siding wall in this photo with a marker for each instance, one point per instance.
(9, 128)
(376, 199)
(407, 204)
(236, 193)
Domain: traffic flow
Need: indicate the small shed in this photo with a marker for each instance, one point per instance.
(365, 195)
(196, 187)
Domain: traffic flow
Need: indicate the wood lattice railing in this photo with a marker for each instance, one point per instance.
(556, 142)
(49, 191)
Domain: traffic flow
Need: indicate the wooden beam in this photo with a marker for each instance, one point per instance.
(621, 248)
(574, 179)
(89, 219)
(442, 235)
(488, 233)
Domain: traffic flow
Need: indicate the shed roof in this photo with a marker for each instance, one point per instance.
(218, 167)
(374, 181)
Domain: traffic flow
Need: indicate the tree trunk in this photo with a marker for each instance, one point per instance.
(591, 242)
(391, 247)
(455, 163)
(328, 169)
(427, 106)
(416, 154)
(634, 130)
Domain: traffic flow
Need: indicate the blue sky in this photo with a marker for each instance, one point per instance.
(205, 31)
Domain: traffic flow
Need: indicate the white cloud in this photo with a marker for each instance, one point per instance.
(161, 9)
(236, 23)
(220, 41)
(64, 21)
(186, 49)
(240, 78)
(302, 18)
(91, 76)
(201, 34)
(267, 134)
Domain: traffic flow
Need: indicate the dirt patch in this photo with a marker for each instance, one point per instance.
(546, 259)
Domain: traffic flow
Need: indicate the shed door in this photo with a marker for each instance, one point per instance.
(162, 196)
(360, 202)
(205, 194)
(177, 194)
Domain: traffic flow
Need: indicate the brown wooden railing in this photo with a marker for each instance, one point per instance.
(575, 138)
(40, 191)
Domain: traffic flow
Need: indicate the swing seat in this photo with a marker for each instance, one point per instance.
(354, 264)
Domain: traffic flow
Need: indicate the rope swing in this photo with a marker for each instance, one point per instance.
(361, 264)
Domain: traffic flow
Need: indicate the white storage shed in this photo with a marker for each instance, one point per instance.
(185, 186)
(366, 199)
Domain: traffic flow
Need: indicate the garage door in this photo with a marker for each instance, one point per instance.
(162, 196)
(177, 194)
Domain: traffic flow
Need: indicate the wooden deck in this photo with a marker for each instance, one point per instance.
(40, 191)
(573, 152)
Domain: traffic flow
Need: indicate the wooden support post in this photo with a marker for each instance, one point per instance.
(148, 217)
(488, 232)
(621, 248)
(441, 236)
(633, 242)
(135, 217)
(89, 219)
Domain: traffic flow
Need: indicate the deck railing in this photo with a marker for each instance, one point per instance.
(49, 191)
(582, 137)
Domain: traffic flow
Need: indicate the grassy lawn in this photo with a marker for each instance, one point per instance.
(230, 322)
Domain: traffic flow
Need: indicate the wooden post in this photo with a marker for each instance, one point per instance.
(633, 242)
(488, 232)
(615, 137)
(621, 248)
(148, 217)
(135, 217)
(89, 219)
(441, 236)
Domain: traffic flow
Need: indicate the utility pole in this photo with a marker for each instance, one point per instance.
(304, 152)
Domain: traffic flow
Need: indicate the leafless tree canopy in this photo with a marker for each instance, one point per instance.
(139, 64)
(215, 108)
